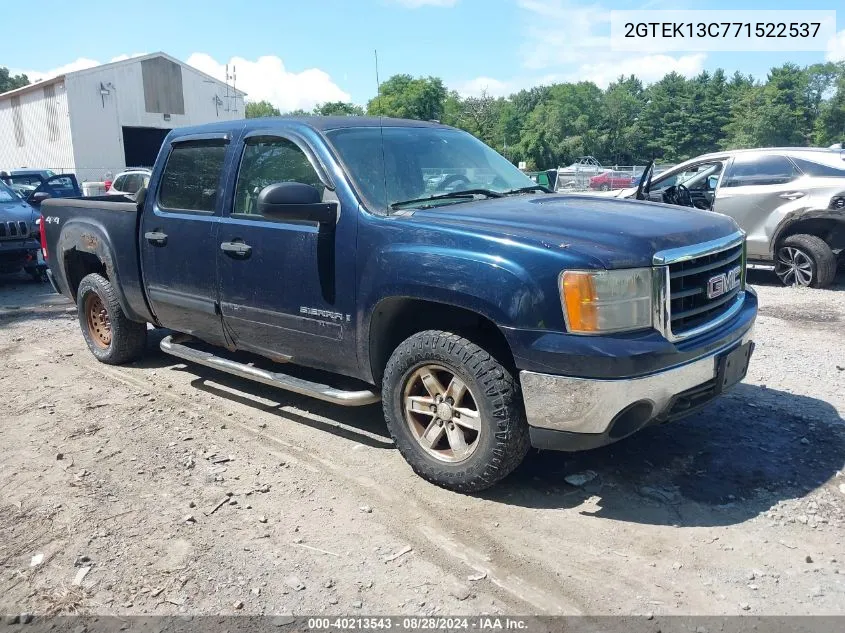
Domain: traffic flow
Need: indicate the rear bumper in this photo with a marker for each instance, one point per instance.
(566, 413)
(17, 254)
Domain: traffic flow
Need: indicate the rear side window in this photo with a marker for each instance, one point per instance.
(818, 170)
(118, 184)
(266, 161)
(192, 176)
(760, 170)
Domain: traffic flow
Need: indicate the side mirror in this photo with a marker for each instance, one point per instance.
(296, 201)
(712, 181)
(38, 197)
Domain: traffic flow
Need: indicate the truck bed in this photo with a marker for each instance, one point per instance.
(104, 226)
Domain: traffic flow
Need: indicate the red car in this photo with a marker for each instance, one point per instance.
(608, 180)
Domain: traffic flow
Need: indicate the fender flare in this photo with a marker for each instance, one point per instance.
(87, 237)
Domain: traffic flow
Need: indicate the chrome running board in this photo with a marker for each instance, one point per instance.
(177, 345)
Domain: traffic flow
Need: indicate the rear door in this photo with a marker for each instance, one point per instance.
(282, 293)
(178, 240)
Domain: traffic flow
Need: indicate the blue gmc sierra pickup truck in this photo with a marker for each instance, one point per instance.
(359, 259)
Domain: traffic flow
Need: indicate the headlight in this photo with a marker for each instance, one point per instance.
(596, 302)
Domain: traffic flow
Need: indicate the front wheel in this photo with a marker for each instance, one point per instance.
(454, 411)
(805, 260)
(111, 337)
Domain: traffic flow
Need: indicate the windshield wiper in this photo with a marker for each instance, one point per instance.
(467, 194)
(542, 188)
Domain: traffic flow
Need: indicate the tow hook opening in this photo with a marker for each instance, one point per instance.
(631, 419)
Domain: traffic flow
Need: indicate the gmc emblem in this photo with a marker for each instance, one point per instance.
(720, 284)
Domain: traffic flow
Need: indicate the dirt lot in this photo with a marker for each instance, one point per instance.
(162, 488)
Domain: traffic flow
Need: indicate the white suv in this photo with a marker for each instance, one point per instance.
(789, 200)
(127, 183)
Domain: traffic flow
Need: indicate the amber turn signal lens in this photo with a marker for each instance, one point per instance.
(607, 300)
(579, 295)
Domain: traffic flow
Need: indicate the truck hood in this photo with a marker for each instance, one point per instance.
(615, 233)
(17, 211)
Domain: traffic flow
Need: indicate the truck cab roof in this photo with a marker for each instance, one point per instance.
(317, 123)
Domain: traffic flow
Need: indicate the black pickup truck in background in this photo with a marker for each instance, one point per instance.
(407, 262)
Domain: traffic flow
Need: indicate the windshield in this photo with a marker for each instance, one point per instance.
(420, 162)
(7, 195)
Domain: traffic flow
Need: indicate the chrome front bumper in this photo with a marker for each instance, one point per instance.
(582, 405)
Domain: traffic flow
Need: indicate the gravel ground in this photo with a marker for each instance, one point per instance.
(162, 488)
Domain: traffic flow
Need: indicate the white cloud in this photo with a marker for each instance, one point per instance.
(81, 63)
(560, 32)
(568, 42)
(124, 57)
(836, 48)
(648, 68)
(487, 85)
(267, 79)
(416, 4)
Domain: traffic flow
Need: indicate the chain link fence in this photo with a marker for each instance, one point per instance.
(597, 177)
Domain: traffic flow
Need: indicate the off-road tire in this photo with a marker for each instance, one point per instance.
(503, 442)
(128, 338)
(824, 259)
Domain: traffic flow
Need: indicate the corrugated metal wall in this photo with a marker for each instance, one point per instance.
(76, 125)
(104, 100)
(35, 130)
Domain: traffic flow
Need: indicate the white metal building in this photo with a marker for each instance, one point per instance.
(101, 120)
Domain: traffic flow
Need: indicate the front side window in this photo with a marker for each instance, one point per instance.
(760, 170)
(693, 177)
(191, 177)
(395, 164)
(60, 187)
(268, 160)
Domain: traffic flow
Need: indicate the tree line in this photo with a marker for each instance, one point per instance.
(626, 123)
(629, 122)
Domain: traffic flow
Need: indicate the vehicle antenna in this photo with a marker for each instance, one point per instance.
(381, 131)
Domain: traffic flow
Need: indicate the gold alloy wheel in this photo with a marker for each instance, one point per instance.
(442, 414)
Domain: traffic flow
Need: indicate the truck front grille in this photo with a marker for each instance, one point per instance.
(689, 283)
(701, 286)
(13, 230)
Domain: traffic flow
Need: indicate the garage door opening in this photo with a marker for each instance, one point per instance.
(141, 145)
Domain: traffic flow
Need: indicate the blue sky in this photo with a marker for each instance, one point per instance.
(297, 53)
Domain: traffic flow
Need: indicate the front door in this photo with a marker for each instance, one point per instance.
(283, 294)
(179, 240)
(751, 189)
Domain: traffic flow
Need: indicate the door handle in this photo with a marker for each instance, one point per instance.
(156, 237)
(236, 249)
(792, 195)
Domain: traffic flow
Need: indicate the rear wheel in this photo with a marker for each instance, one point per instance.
(805, 260)
(110, 336)
(454, 411)
(604, 187)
